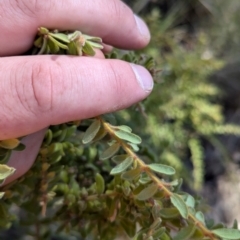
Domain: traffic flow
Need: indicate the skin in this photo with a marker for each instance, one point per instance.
(38, 91)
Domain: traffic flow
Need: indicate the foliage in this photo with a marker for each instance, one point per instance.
(224, 33)
(95, 179)
(183, 110)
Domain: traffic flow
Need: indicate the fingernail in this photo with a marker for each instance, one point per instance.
(142, 27)
(143, 76)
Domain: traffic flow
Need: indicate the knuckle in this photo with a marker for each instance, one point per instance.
(43, 77)
(32, 8)
(116, 80)
(116, 8)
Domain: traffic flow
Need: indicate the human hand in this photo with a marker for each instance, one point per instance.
(38, 91)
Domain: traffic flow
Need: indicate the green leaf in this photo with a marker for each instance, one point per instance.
(122, 166)
(119, 158)
(60, 36)
(55, 148)
(92, 38)
(5, 216)
(61, 45)
(100, 183)
(43, 30)
(131, 174)
(144, 179)
(147, 192)
(156, 224)
(169, 213)
(54, 48)
(5, 157)
(185, 233)
(88, 49)
(235, 224)
(174, 182)
(73, 49)
(129, 226)
(190, 201)
(163, 169)
(165, 236)
(6, 171)
(134, 147)
(124, 128)
(158, 233)
(91, 132)
(96, 45)
(74, 36)
(43, 47)
(109, 152)
(1, 194)
(38, 42)
(20, 147)
(9, 143)
(178, 202)
(112, 208)
(100, 135)
(130, 137)
(227, 233)
(199, 215)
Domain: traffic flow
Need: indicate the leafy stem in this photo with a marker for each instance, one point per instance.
(145, 168)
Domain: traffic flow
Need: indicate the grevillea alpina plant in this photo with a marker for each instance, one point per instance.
(90, 179)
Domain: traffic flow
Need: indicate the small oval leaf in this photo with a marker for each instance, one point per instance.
(100, 135)
(131, 174)
(190, 201)
(134, 147)
(60, 36)
(88, 49)
(73, 48)
(178, 202)
(129, 226)
(147, 192)
(124, 128)
(119, 158)
(9, 143)
(91, 132)
(185, 233)
(158, 233)
(163, 169)
(169, 213)
(59, 44)
(54, 48)
(6, 171)
(130, 137)
(109, 152)
(1, 194)
(122, 166)
(20, 147)
(92, 38)
(100, 183)
(227, 233)
(199, 215)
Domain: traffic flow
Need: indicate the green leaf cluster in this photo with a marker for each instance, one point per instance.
(98, 180)
(67, 190)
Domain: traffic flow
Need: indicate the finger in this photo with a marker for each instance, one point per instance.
(110, 19)
(107, 48)
(23, 160)
(37, 91)
(99, 54)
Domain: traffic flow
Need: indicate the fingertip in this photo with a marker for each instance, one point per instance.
(143, 29)
(143, 77)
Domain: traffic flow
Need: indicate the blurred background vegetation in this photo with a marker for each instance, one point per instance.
(192, 117)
